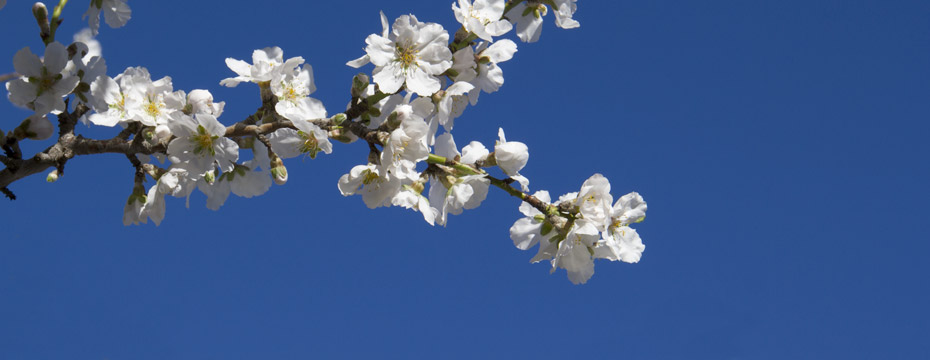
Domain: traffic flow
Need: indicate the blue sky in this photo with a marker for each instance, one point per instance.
(781, 146)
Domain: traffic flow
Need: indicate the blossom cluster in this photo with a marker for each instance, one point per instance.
(597, 230)
(423, 80)
(439, 80)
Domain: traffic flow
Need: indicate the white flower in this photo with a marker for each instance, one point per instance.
(630, 208)
(244, 180)
(411, 197)
(44, 82)
(452, 103)
(309, 140)
(115, 12)
(488, 76)
(564, 9)
(133, 96)
(376, 186)
(526, 232)
(150, 107)
(265, 64)
(293, 88)
(471, 153)
(407, 145)
(134, 211)
(528, 19)
(39, 127)
(111, 103)
(464, 64)
(86, 37)
(483, 18)
(198, 101)
(594, 201)
(201, 142)
(511, 157)
(465, 192)
(575, 252)
(414, 53)
(620, 242)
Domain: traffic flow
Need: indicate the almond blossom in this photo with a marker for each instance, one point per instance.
(115, 12)
(483, 17)
(44, 82)
(201, 142)
(265, 64)
(414, 54)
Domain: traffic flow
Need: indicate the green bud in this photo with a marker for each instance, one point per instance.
(40, 12)
(52, 176)
(210, 177)
(359, 85)
(339, 118)
(278, 171)
(373, 112)
(546, 228)
(418, 187)
(148, 134)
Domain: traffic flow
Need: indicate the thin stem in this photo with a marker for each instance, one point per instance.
(56, 14)
(545, 208)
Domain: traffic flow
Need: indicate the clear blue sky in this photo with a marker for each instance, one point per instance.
(781, 146)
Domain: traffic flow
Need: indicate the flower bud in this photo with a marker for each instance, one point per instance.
(339, 118)
(40, 12)
(510, 156)
(418, 187)
(35, 127)
(52, 176)
(278, 171)
(359, 85)
(210, 177)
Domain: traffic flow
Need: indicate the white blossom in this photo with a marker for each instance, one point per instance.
(511, 157)
(620, 242)
(376, 185)
(410, 196)
(483, 17)
(452, 103)
(44, 82)
(564, 9)
(489, 77)
(198, 101)
(463, 193)
(526, 232)
(293, 88)
(414, 53)
(39, 127)
(408, 144)
(451, 194)
(134, 211)
(575, 252)
(115, 12)
(528, 19)
(594, 201)
(150, 107)
(265, 64)
(201, 143)
(112, 103)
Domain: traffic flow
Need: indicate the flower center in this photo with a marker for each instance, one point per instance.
(203, 141)
(406, 54)
(370, 178)
(152, 106)
(310, 146)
